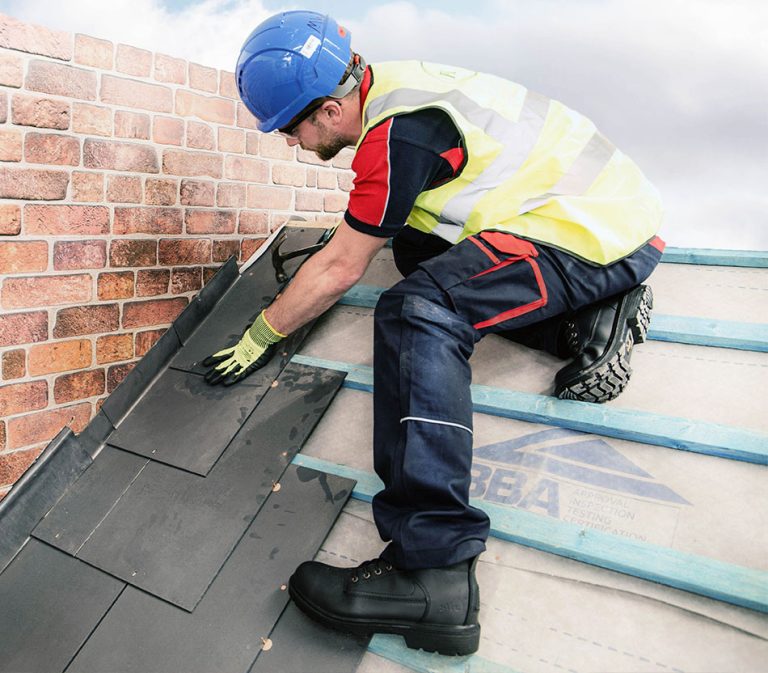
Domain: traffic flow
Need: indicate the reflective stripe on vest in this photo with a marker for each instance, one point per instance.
(534, 167)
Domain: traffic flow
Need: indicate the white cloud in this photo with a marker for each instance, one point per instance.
(680, 85)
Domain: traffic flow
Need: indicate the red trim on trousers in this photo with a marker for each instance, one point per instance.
(657, 243)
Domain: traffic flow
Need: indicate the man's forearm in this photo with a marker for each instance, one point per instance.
(315, 288)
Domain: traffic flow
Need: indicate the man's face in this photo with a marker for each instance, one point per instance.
(316, 135)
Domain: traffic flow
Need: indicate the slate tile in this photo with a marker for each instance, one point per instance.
(88, 501)
(172, 531)
(142, 634)
(51, 603)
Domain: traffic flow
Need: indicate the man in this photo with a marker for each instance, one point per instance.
(522, 220)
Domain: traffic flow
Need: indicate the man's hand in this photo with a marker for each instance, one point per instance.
(252, 352)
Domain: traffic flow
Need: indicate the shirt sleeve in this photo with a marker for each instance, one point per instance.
(396, 161)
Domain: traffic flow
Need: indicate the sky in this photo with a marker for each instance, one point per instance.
(681, 86)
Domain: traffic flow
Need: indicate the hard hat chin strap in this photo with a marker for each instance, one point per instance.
(352, 77)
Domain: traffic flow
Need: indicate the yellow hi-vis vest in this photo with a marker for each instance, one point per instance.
(533, 167)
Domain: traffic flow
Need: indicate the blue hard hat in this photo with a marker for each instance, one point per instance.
(288, 61)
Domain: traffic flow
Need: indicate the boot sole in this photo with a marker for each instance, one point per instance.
(608, 376)
(443, 639)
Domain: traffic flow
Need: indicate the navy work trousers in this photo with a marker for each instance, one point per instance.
(425, 329)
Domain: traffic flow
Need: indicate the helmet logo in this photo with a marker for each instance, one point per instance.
(342, 31)
(310, 46)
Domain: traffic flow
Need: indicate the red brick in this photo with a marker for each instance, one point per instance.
(203, 78)
(230, 195)
(210, 271)
(253, 222)
(46, 291)
(245, 120)
(179, 162)
(124, 189)
(88, 187)
(79, 386)
(160, 192)
(200, 136)
(270, 198)
(66, 220)
(223, 250)
(93, 120)
(45, 425)
(174, 251)
(61, 80)
(10, 145)
(80, 320)
(128, 157)
(51, 148)
(133, 61)
(273, 147)
(132, 125)
(126, 252)
(185, 280)
(344, 159)
(152, 282)
(11, 70)
(168, 131)
(117, 373)
(168, 69)
(22, 36)
(249, 246)
(207, 108)
(40, 112)
(289, 174)
(152, 312)
(23, 256)
(326, 178)
(312, 201)
(311, 176)
(19, 398)
(210, 221)
(149, 220)
(242, 168)
(33, 184)
(14, 464)
(134, 94)
(23, 328)
(10, 219)
(197, 192)
(231, 140)
(227, 85)
(113, 348)
(59, 356)
(252, 142)
(145, 341)
(116, 285)
(93, 52)
(14, 364)
(335, 203)
(71, 255)
(307, 157)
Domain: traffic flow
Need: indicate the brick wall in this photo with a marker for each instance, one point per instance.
(126, 178)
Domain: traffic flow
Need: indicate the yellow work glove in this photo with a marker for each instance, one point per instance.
(252, 352)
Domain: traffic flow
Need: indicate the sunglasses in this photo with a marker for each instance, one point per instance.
(290, 130)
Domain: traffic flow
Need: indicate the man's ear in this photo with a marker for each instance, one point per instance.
(332, 110)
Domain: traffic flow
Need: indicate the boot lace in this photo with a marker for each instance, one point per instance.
(369, 569)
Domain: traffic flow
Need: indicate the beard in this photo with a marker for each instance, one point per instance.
(327, 150)
(330, 144)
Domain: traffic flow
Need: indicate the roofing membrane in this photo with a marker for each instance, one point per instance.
(626, 537)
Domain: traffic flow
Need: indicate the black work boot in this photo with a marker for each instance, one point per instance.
(433, 609)
(600, 338)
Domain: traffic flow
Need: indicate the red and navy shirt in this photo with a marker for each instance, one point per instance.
(397, 160)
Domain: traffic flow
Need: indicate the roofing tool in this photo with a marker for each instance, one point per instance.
(279, 259)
